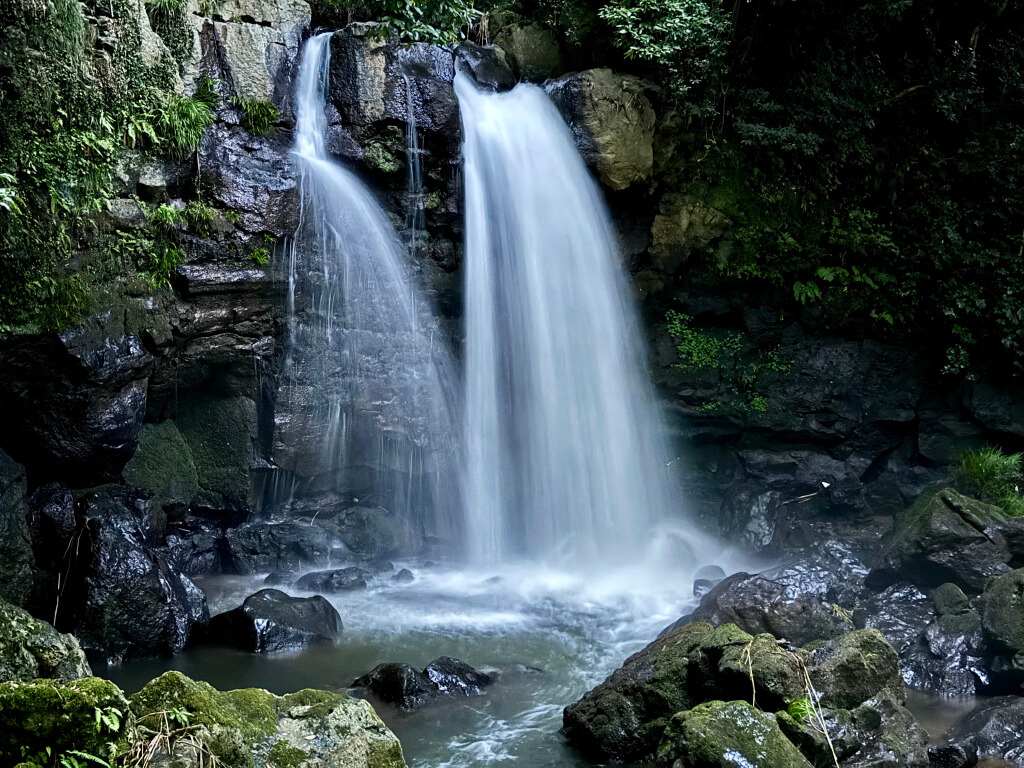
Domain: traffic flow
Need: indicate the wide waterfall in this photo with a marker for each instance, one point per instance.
(565, 455)
(369, 389)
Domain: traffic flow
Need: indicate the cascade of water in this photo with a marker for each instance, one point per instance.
(414, 169)
(566, 458)
(367, 375)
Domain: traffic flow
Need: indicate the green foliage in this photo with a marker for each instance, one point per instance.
(998, 475)
(166, 256)
(261, 256)
(207, 91)
(686, 41)
(180, 123)
(257, 116)
(427, 21)
(722, 352)
(164, 7)
(200, 216)
(800, 709)
(166, 218)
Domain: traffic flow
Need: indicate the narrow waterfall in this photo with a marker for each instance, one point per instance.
(565, 457)
(370, 390)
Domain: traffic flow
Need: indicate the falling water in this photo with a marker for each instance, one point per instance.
(368, 378)
(565, 454)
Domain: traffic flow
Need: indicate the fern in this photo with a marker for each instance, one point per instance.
(257, 116)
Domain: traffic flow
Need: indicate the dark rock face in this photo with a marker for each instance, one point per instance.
(256, 547)
(132, 602)
(694, 668)
(15, 545)
(271, 621)
(340, 580)
(74, 403)
(994, 728)
(407, 688)
(483, 64)
(941, 539)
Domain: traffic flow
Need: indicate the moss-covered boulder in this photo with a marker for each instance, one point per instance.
(1002, 618)
(48, 714)
(221, 434)
(532, 50)
(624, 717)
(30, 648)
(941, 539)
(726, 734)
(163, 465)
(851, 669)
(253, 728)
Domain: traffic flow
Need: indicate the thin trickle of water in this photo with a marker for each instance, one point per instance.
(362, 377)
(414, 170)
(566, 459)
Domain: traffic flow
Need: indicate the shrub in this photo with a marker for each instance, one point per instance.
(181, 122)
(998, 476)
(257, 116)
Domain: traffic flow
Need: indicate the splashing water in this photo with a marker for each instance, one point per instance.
(369, 390)
(565, 451)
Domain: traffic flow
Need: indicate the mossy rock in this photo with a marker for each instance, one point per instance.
(163, 465)
(59, 716)
(252, 728)
(221, 434)
(30, 648)
(1002, 612)
(725, 734)
(853, 668)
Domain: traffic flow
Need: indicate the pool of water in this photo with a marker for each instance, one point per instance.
(551, 636)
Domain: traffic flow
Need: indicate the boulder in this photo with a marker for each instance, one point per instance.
(371, 533)
(338, 580)
(263, 547)
(271, 621)
(726, 734)
(487, 65)
(532, 51)
(131, 602)
(311, 728)
(195, 544)
(949, 658)
(757, 604)
(30, 648)
(852, 669)
(1002, 618)
(612, 122)
(407, 688)
(899, 612)
(684, 224)
(941, 539)
(15, 544)
(995, 728)
(43, 719)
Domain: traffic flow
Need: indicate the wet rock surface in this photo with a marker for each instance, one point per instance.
(272, 621)
(339, 580)
(407, 688)
(30, 648)
(15, 542)
(994, 728)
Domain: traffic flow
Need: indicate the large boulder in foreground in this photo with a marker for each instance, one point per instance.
(627, 718)
(311, 728)
(271, 621)
(941, 539)
(724, 734)
(612, 122)
(408, 688)
(30, 648)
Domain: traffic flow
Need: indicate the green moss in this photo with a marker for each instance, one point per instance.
(377, 156)
(285, 755)
(163, 464)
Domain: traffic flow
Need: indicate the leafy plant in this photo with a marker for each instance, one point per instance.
(800, 709)
(257, 116)
(166, 257)
(429, 21)
(181, 122)
(998, 475)
(200, 216)
(207, 91)
(165, 218)
(261, 256)
(165, 7)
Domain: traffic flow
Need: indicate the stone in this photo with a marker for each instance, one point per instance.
(684, 224)
(899, 612)
(31, 648)
(163, 465)
(941, 539)
(532, 51)
(338, 580)
(949, 659)
(407, 688)
(371, 533)
(487, 65)
(950, 600)
(271, 621)
(962, 755)
(995, 728)
(726, 734)
(54, 716)
(264, 547)
(850, 670)
(612, 122)
(404, 576)
(310, 727)
(131, 602)
(15, 544)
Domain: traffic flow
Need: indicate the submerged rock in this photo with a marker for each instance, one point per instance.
(340, 580)
(30, 648)
(726, 734)
(995, 728)
(408, 688)
(271, 621)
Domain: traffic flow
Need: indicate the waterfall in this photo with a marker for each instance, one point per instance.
(565, 454)
(368, 383)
